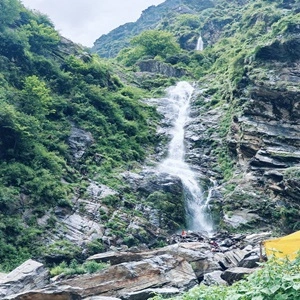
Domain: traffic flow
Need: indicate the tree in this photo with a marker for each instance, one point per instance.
(9, 12)
(156, 42)
(36, 97)
(41, 37)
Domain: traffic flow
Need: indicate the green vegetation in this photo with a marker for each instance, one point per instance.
(74, 268)
(277, 279)
(170, 208)
(48, 88)
(151, 43)
(51, 87)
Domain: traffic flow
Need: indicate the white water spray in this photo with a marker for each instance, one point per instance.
(179, 102)
(200, 45)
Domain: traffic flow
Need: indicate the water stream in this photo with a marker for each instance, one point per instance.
(178, 99)
(200, 45)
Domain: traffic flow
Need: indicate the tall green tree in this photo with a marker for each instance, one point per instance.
(156, 42)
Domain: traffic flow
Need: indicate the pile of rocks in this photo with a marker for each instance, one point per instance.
(142, 274)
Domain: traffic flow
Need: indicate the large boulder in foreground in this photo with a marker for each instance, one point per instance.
(125, 278)
(28, 276)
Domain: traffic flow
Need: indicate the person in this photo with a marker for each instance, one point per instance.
(183, 234)
(215, 246)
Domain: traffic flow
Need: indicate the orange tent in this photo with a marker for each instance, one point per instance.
(287, 246)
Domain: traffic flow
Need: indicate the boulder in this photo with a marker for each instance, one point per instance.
(214, 278)
(230, 258)
(240, 217)
(234, 274)
(45, 295)
(55, 295)
(256, 238)
(30, 275)
(249, 262)
(149, 293)
(125, 278)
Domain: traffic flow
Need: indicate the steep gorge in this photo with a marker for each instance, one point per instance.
(78, 168)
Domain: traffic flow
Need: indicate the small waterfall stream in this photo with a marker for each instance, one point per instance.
(200, 45)
(179, 103)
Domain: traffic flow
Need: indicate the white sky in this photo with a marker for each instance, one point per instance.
(83, 21)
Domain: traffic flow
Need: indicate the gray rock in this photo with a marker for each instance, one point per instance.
(79, 141)
(30, 275)
(156, 187)
(214, 278)
(119, 280)
(235, 274)
(256, 238)
(2, 275)
(58, 293)
(240, 217)
(99, 191)
(100, 298)
(158, 67)
(148, 293)
(80, 229)
(249, 262)
(230, 258)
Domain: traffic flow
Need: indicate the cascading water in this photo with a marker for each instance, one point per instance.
(200, 45)
(179, 102)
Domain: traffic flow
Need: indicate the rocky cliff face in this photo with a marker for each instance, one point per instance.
(255, 137)
(265, 137)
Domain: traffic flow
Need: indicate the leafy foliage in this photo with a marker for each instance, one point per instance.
(156, 42)
(276, 279)
(74, 268)
(47, 88)
(150, 43)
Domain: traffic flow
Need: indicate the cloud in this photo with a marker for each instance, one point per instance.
(83, 21)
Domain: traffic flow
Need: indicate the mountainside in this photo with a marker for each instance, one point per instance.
(110, 44)
(80, 136)
(244, 130)
(66, 124)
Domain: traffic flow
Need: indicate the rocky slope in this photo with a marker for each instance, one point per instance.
(143, 274)
(253, 136)
(84, 155)
(242, 137)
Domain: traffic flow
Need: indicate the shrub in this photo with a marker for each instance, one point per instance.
(75, 269)
(276, 279)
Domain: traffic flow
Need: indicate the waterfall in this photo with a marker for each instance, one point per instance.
(196, 206)
(199, 46)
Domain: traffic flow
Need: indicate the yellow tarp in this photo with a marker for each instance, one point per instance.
(286, 246)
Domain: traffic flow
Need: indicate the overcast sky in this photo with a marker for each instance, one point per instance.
(83, 21)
